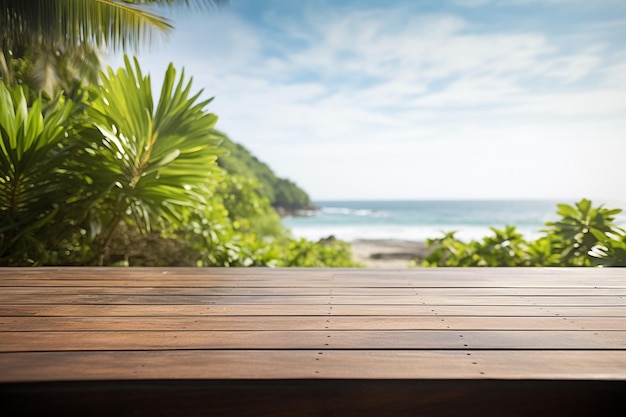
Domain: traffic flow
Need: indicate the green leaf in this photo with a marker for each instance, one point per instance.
(567, 210)
(161, 154)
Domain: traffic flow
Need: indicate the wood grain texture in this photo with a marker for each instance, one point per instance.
(314, 339)
(293, 291)
(8, 297)
(312, 342)
(113, 310)
(313, 364)
(108, 323)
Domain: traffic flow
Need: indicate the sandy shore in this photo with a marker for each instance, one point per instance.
(387, 253)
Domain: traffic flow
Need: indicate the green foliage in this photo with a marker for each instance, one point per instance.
(34, 181)
(54, 44)
(241, 229)
(282, 194)
(103, 174)
(117, 24)
(146, 160)
(246, 209)
(584, 235)
(235, 228)
(325, 253)
(542, 252)
(289, 197)
(505, 248)
(580, 228)
(120, 179)
(611, 254)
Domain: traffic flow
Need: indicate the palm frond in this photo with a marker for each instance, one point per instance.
(33, 182)
(151, 156)
(116, 24)
(45, 73)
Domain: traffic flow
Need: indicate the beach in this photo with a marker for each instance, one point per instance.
(391, 234)
(387, 253)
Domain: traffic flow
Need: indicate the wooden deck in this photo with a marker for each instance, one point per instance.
(321, 342)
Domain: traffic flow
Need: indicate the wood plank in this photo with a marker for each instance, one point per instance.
(305, 310)
(29, 324)
(296, 290)
(481, 273)
(166, 299)
(252, 273)
(544, 277)
(312, 342)
(479, 277)
(516, 364)
(329, 339)
(205, 283)
(313, 364)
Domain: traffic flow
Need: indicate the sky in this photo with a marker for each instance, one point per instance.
(441, 99)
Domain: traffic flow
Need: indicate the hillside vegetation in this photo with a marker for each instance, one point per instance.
(284, 195)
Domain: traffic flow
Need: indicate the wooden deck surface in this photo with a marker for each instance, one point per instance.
(312, 341)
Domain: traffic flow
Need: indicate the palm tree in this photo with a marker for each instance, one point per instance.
(34, 185)
(69, 181)
(73, 29)
(67, 23)
(151, 156)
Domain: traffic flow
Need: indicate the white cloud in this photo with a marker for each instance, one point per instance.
(368, 104)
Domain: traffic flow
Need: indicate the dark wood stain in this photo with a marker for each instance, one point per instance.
(312, 342)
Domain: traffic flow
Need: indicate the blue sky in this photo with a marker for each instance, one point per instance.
(417, 99)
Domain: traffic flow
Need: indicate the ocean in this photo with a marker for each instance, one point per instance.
(420, 220)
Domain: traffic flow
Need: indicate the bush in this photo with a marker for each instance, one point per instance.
(123, 179)
(583, 236)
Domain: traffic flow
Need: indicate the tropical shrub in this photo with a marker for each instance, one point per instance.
(102, 174)
(581, 228)
(146, 159)
(36, 183)
(583, 236)
(611, 254)
(120, 178)
(325, 253)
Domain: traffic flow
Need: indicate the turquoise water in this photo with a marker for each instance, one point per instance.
(419, 220)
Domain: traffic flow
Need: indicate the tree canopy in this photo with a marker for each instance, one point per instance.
(284, 195)
(63, 24)
(52, 44)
